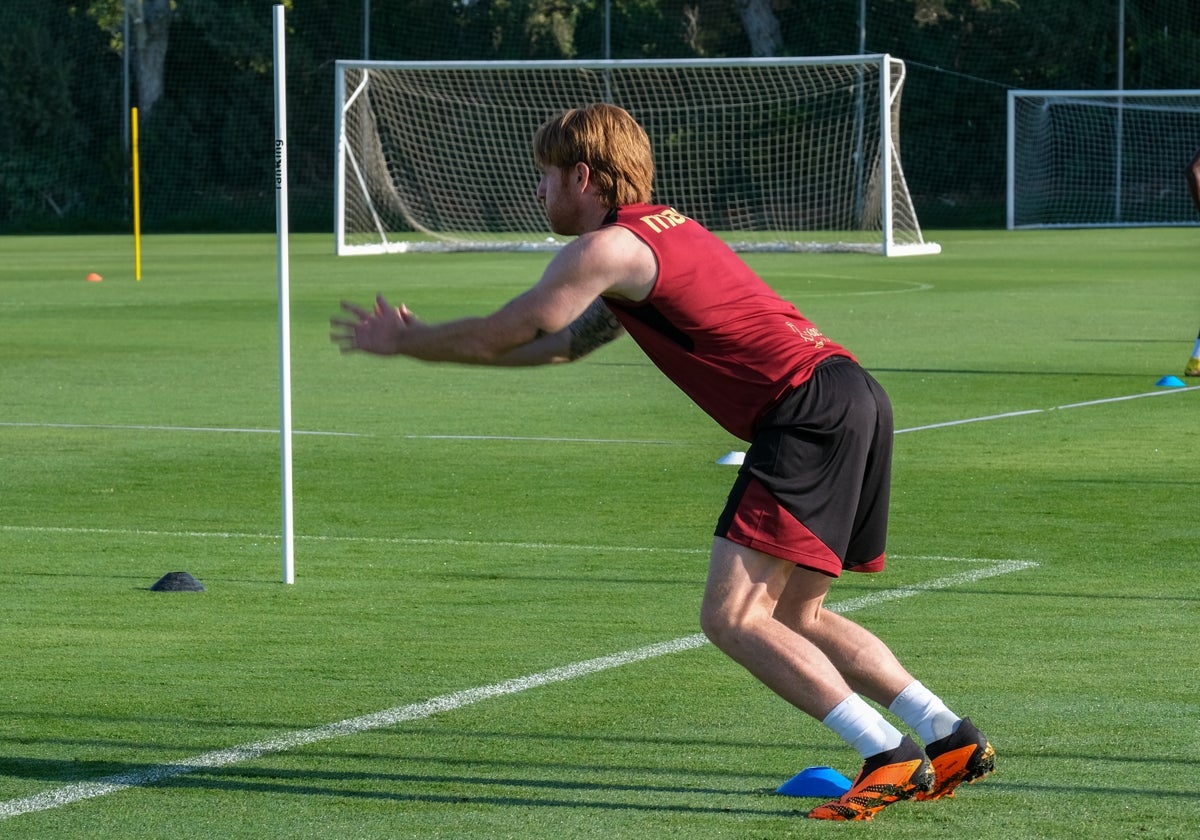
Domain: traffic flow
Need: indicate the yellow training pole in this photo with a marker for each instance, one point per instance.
(137, 204)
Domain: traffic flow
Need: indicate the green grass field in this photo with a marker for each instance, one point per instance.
(469, 542)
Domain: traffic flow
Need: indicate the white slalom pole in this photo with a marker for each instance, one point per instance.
(285, 328)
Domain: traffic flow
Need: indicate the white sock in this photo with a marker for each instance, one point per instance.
(1196, 349)
(862, 727)
(924, 711)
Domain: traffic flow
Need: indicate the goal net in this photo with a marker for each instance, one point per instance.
(772, 154)
(1101, 158)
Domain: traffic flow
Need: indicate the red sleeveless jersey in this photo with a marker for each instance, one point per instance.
(713, 326)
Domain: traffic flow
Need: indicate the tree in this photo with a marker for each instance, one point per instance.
(150, 29)
(56, 165)
(150, 21)
(762, 27)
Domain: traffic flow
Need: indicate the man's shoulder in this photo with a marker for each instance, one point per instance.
(617, 254)
(612, 241)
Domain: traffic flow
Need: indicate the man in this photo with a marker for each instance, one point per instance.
(812, 496)
(1192, 175)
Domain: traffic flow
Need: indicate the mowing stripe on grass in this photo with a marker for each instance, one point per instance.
(68, 794)
(441, 541)
(526, 438)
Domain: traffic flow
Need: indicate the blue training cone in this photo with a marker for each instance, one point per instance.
(815, 781)
(1170, 382)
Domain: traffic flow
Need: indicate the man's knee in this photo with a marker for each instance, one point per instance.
(715, 621)
(742, 591)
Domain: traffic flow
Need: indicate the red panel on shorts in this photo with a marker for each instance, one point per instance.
(762, 523)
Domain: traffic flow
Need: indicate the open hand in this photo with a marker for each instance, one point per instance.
(380, 331)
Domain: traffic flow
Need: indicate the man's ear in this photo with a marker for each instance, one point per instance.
(583, 175)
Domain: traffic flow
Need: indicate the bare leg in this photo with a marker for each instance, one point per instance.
(739, 615)
(767, 615)
(866, 664)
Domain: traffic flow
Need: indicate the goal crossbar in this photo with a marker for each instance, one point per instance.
(773, 154)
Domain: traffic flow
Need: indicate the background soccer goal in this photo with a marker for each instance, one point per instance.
(1100, 158)
(774, 154)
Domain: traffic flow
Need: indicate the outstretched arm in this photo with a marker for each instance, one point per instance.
(559, 319)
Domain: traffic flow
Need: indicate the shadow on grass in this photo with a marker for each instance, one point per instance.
(472, 789)
(439, 778)
(504, 791)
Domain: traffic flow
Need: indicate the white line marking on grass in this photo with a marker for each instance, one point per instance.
(235, 430)
(445, 541)
(949, 423)
(906, 286)
(1162, 393)
(247, 752)
(548, 439)
(1088, 404)
(219, 429)
(69, 794)
(863, 601)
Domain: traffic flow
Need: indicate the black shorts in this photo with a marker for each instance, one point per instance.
(815, 484)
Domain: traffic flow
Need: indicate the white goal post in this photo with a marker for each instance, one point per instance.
(1100, 158)
(772, 154)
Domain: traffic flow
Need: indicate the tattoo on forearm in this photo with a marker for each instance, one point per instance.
(596, 326)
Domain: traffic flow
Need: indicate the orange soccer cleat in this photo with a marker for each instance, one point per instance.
(889, 777)
(963, 756)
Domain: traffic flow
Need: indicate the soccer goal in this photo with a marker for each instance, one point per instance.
(1100, 158)
(772, 154)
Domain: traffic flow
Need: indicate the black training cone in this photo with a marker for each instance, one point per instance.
(177, 582)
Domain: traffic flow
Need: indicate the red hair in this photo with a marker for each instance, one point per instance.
(611, 143)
